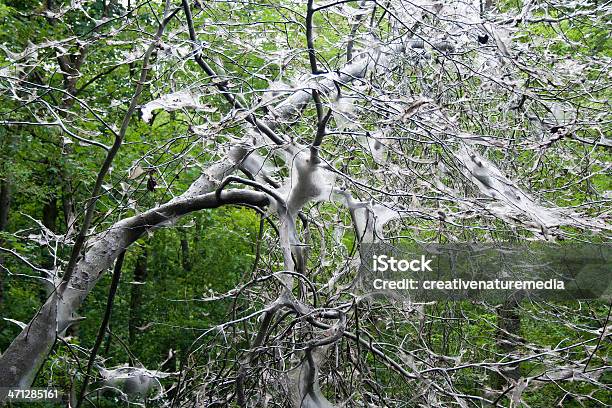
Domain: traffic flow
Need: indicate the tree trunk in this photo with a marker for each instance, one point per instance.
(509, 327)
(49, 215)
(140, 276)
(185, 258)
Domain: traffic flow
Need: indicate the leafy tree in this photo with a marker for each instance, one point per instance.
(231, 163)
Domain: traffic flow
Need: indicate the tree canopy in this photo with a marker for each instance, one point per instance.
(189, 189)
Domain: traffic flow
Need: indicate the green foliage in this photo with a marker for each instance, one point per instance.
(213, 251)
